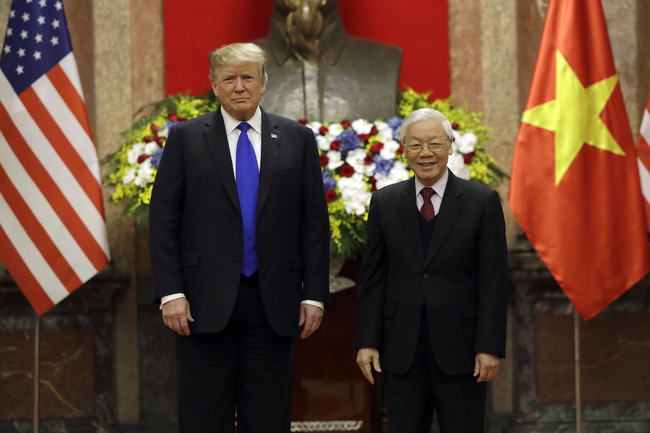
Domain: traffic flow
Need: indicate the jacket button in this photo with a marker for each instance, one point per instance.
(238, 224)
(425, 276)
(238, 256)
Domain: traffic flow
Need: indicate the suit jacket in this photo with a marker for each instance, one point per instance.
(196, 231)
(461, 279)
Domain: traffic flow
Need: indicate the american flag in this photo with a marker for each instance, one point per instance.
(52, 228)
(643, 152)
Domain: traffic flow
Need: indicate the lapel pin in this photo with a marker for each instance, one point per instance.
(274, 135)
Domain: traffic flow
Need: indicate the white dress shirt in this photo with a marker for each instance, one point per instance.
(439, 189)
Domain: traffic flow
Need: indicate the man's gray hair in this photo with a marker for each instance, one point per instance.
(423, 114)
(237, 54)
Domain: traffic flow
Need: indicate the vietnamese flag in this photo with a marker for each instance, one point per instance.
(575, 186)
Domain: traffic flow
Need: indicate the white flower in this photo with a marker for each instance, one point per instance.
(315, 127)
(144, 176)
(354, 193)
(389, 151)
(361, 126)
(398, 173)
(464, 143)
(163, 132)
(334, 130)
(150, 148)
(129, 176)
(356, 158)
(335, 161)
(323, 143)
(136, 150)
(384, 131)
(356, 207)
(457, 166)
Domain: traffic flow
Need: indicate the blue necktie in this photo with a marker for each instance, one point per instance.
(247, 184)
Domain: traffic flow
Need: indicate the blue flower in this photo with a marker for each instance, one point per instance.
(349, 141)
(395, 123)
(155, 158)
(328, 180)
(383, 166)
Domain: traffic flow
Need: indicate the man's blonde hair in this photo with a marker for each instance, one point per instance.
(237, 54)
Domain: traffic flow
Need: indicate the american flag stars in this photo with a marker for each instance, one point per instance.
(33, 40)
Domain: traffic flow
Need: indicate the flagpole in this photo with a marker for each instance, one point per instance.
(37, 337)
(576, 361)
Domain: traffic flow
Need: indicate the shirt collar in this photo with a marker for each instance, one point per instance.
(231, 123)
(439, 187)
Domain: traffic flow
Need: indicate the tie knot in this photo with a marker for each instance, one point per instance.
(243, 127)
(427, 193)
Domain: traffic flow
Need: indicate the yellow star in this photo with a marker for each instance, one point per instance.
(574, 116)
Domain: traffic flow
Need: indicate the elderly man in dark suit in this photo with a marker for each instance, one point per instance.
(432, 298)
(239, 242)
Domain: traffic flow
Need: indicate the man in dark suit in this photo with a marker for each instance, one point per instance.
(239, 242)
(432, 296)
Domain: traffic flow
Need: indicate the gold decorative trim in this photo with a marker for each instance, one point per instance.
(321, 426)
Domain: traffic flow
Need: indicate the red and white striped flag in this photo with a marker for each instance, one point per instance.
(52, 227)
(643, 153)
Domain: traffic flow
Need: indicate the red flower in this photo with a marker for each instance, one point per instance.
(345, 124)
(454, 125)
(160, 141)
(467, 158)
(368, 159)
(148, 139)
(346, 170)
(373, 131)
(154, 128)
(323, 130)
(304, 121)
(142, 158)
(376, 148)
(330, 195)
(400, 150)
(373, 182)
(364, 137)
(335, 145)
(324, 160)
(173, 117)
(182, 119)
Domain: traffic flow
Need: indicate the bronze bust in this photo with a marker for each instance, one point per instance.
(318, 71)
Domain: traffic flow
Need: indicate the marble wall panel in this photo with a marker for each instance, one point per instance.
(66, 374)
(614, 353)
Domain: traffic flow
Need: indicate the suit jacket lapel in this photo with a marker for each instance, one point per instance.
(406, 210)
(451, 206)
(216, 141)
(271, 139)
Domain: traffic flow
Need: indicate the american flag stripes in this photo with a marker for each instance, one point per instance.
(643, 153)
(52, 228)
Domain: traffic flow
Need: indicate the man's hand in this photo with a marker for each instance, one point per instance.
(310, 318)
(486, 366)
(176, 314)
(367, 359)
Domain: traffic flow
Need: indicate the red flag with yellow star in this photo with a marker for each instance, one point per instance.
(574, 185)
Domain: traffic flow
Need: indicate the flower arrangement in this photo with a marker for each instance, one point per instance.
(357, 157)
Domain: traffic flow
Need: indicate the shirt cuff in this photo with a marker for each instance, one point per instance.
(318, 304)
(165, 299)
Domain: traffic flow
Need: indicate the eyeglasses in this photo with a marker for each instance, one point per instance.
(433, 147)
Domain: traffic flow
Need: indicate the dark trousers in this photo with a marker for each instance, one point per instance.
(244, 371)
(412, 398)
